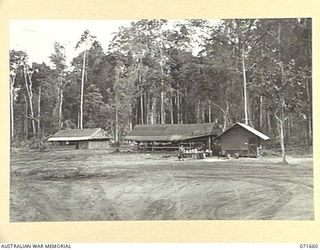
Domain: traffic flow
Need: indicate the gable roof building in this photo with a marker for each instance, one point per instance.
(90, 138)
(242, 139)
(250, 129)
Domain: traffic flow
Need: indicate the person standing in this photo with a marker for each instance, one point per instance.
(180, 153)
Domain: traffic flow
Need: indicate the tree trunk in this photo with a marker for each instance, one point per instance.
(224, 121)
(142, 101)
(141, 109)
(246, 120)
(130, 119)
(308, 62)
(162, 108)
(283, 150)
(60, 105)
(162, 112)
(203, 115)
(281, 121)
(116, 132)
(209, 112)
(116, 122)
(136, 114)
(291, 124)
(198, 111)
(261, 113)
(288, 137)
(171, 110)
(178, 104)
(60, 109)
(12, 80)
(281, 130)
(82, 89)
(26, 118)
(153, 114)
(185, 117)
(60, 118)
(268, 123)
(147, 106)
(282, 118)
(116, 125)
(28, 84)
(78, 121)
(309, 115)
(39, 112)
(225, 114)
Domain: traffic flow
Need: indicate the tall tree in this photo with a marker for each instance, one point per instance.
(84, 44)
(27, 73)
(58, 58)
(282, 79)
(17, 59)
(41, 76)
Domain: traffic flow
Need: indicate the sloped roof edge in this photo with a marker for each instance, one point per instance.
(163, 138)
(83, 138)
(171, 132)
(78, 135)
(250, 129)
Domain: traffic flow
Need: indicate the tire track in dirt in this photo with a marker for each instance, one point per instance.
(266, 208)
(269, 212)
(121, 208)
(103, 208)
(168, 207)
(177, 203)
(172, 200)
(159, 208)
(144, 189)
(44, 206)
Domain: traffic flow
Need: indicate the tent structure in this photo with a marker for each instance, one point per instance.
(243, 140)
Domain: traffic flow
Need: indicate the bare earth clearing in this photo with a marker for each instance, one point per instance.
(87, 185)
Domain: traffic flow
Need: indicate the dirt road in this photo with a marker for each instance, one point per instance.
(91, 185)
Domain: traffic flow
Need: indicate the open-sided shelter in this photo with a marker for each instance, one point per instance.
(90, 138)
(169, 136)
(243, 140)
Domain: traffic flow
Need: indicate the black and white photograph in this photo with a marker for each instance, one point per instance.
(161, 119)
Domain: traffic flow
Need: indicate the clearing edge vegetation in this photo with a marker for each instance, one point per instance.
(88, 185)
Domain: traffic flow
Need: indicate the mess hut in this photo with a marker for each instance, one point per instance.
(170, 136)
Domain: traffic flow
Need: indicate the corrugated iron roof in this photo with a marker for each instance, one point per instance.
(171, 132)
(250, 129)
(79, 134)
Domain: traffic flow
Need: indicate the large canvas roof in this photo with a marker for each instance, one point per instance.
(79, 135)
(171, 132)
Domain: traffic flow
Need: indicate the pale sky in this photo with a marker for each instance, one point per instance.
(36, 37)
